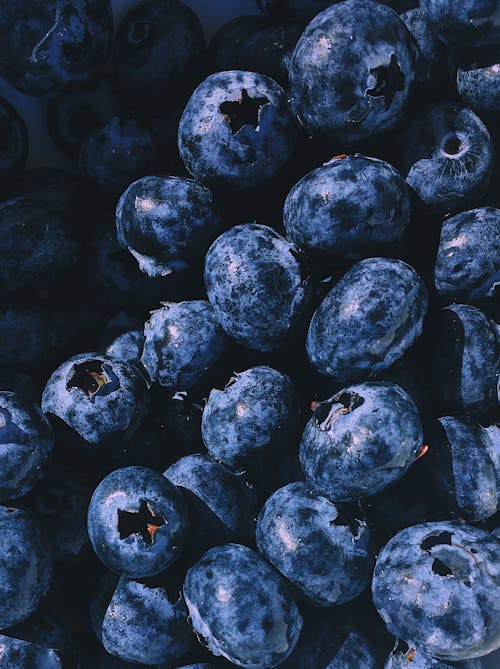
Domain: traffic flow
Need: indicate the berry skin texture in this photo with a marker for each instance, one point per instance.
(241, 607)
(467, 22)
(468, 258)
(351, 71)
(99, 398)
(433, 59)
(478, 80)
(25, 566)
(258, 285)
(46, 45)
(19, 654)
(347, 207)
(367, 320)
(137, 522)
(253, 418)
(167, 223)
(26, 441)
(360, 440)
(237, 130)
(182, 342)
(406, 656)
(438, 584)
(142, 625)
(13, 140)
(325, 554)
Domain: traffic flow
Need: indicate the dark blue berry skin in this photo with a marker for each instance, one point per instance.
(281, 11)
(258, 285)
(478, 80)
(348, 207)
(13, 140)
(236, 131)
(141, 624)
(437, 584)
(406, 656)
(47, 45)
(360, 440)
(433, 59)
(26, 441)
(351, 71)
(241, 607)
(167, 223)
(137, 522)
(118, 153)
(367, 320)
(319, 547)
(254, 417)
(269, 51)
(222, 506)
(463, 360)
(25, 566)
(465, 467)
(468, 258)
(468, 23)
(98, 397)
(223, 52)
(18, 654)
(447, 157)
(127, 347)
(158, 49)
(182, 342)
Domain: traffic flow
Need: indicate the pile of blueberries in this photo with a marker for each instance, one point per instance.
(280, 256)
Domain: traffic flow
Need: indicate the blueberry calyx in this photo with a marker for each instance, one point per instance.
(452, 144)
(389, 79)
(94, 378)
(138, 32)
(244, 111)
(143, 522)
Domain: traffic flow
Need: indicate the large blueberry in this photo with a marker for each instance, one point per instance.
(258, 285)
(222, 506)
(468, 258)
(25, 565)
(438, 585)
(98, 397)
(182, 342)
(360, 440)
(13, 140)
(323, 549)
(137, 522)
(468, 23)
(254, 417)
(351, 71)
(447, 156)
(167, 223)
(26, 441)
(236, 130)
(348, 207)
(367, 320)
(478, 80)
(19, 654)
(143, 624)
(241, 607)
(46, 45)
(406, 656)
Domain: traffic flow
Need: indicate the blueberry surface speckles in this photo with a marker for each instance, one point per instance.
(137, 522)
(241, 607)
(368, 319)
(19, 654)
(438, 584)
(258, 285)
(478, 80)
(351, 71)
(466, 23)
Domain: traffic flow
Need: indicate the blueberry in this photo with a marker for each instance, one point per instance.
(323, 549)
(137, 522)
(468, 259)
(158, 49)
(367, 320)
(258, 285)
(54, 45)
(447, 157)
(241, 607)
(360, 440)
(222, 507)
(256, 416)
(463, 360)
(26, 440)
(407, 656)
(270, 50)
(167, 223)
(18, 654)
(236, 131)
(25, 566)
(98, 398)
(478, 80)
(292, 10)
(348, 207)
(433, 62)
(223, 52)
(142, 624)
(13, 140)
(182, 342)
(351, 71)
(437, 584)
(470, 23)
